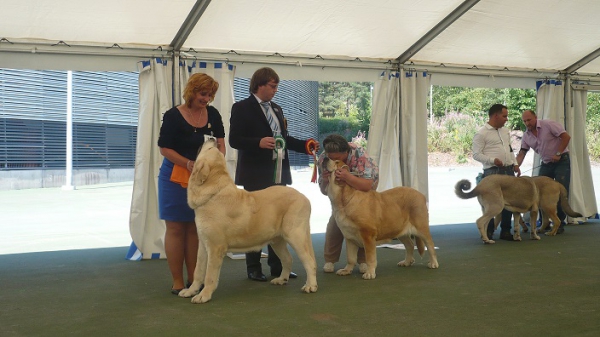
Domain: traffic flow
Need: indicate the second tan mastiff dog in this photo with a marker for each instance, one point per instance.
(230, 219)
(498, 191)
(368, 218)
(518, 195)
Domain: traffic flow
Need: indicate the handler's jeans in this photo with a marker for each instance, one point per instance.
(505, 223)
(561, 172)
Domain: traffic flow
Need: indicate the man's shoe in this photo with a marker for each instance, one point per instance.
(292, 275)
(506, 236)
(257, 276)
(328, 267)
(560, 230)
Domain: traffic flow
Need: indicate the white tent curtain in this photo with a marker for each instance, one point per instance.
(414, 87)
(549, 105)
(146, 229)
(582, 196)
(385, 128)
(155, 83)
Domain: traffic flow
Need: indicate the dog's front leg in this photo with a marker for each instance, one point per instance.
(371, 257)
(213, 269)
(351, 253)
(199, 272)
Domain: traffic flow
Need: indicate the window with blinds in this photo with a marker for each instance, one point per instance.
(105, 109)
(33, 119)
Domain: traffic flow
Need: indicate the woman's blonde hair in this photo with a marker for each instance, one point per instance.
(199, 82)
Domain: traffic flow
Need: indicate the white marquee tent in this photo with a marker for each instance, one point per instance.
(401, 45)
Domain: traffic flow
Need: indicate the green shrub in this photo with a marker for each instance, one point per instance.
(453, 133)
(347, 127)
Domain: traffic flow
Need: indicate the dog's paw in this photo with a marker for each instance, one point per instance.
(344, 272)
(362, 268)
(369, 276)
(279, 281)
(187, 292)
(534, 236)
(406, 263)
(201, 298)
(550, 233)
(517, 237)
(488, 242)
(433, 265)
(309, 288)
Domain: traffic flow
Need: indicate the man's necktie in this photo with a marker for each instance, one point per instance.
(270, 119)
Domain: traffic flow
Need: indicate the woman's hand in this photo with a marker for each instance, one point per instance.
(342, 175)
(190, 165)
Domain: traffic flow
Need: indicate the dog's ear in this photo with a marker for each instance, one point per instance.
(200, 172)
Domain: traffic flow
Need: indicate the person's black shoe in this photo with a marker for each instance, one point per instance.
(560, 230)
(490, 230)
(292, 274)
(257, 276)
(506, 236)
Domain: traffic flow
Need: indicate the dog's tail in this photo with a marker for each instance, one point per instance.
(420, 245)
(564, 203)
(461, 187)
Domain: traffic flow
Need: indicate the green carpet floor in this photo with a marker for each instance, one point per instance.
(531, 288)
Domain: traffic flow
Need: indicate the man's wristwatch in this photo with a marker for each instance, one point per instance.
(558, 154)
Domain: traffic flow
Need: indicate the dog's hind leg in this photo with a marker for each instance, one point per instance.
(555, 221)
(425, 235)
(533, 215)
(302, 245)
(351, 257)
(517, 229)
(409, 248)
(482, 224)
(280, 247)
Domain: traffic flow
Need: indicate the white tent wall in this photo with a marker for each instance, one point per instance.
(582, 196)
(551, 105)
(384, 130)
(147, 230)
(414, 89)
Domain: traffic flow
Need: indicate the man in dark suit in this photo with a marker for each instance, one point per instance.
(258, 131)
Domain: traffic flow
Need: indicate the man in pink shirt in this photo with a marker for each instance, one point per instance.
(550, 140)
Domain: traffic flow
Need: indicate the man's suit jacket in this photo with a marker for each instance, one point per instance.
(247, 126)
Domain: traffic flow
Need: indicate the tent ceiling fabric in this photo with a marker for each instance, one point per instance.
(548, 35)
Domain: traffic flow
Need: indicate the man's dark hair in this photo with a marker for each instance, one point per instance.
(496, 108)
(261, 77)
(335, 143)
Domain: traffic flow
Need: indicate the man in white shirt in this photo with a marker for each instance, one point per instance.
(491, 147)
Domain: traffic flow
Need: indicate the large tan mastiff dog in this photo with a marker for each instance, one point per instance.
(368, 218)
(235, 220)
(518, 195)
